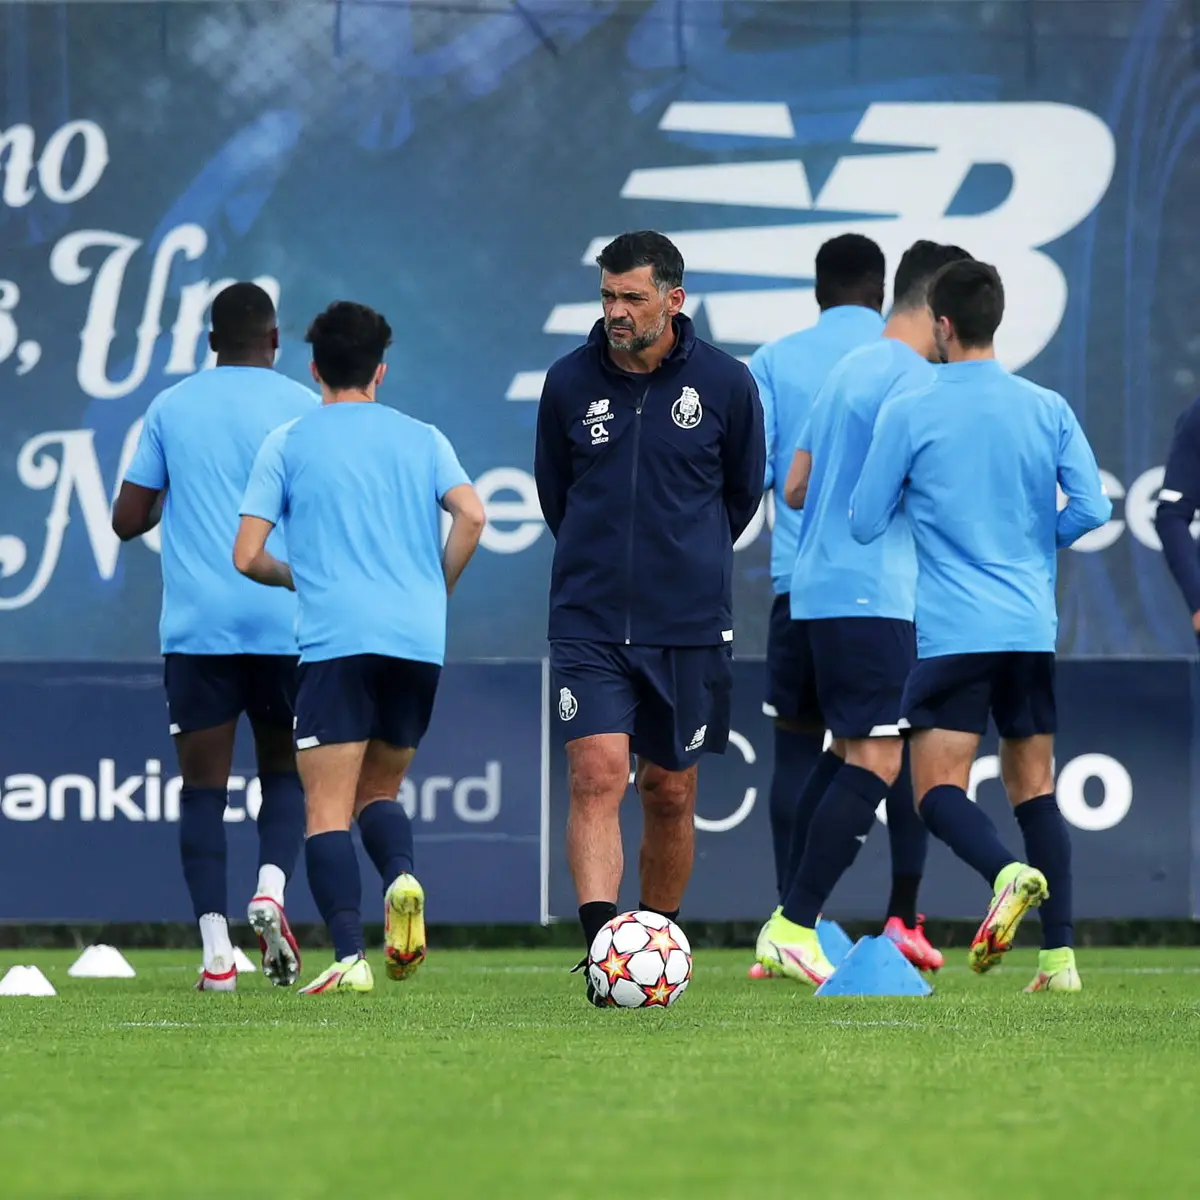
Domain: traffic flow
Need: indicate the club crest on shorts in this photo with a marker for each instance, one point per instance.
(686, 411)
(568, 706)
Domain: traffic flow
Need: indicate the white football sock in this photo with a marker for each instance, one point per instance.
(218, 950)
(271, 882)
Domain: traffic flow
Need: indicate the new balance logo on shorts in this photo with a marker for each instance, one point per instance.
(698, 738)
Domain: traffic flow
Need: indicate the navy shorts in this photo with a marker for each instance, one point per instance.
(862, 664)
(365, 696)
(960, 691)
(206, 690)
(672, 701)
(791, 677)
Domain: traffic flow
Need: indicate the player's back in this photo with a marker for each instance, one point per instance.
(982, 500)
(834, 575)
(363, 487)
(205, 432)
(790, 373)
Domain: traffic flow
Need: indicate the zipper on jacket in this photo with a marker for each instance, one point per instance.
(637, 438)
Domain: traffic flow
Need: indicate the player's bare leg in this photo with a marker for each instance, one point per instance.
(330, 776)
(205, 759)
(387, 837)
(280, 837)
(941, 767)
(598, 773)
(668, 834)
(1027, 769)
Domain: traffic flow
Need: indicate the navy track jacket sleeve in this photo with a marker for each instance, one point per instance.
(744, 457)
(551, 461)
(1177, 504)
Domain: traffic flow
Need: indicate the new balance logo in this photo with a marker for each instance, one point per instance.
(698, 738)
(597, 408)
(1061, 159)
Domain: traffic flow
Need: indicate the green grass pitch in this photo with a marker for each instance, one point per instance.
(489, 1076)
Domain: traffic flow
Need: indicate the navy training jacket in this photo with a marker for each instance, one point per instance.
(646, 481)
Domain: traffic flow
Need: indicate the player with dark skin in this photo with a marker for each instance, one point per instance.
(206, 755)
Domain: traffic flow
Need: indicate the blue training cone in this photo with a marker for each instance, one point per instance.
(874, 967)
(834, 941)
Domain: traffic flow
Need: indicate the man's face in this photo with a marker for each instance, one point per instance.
(636, 312)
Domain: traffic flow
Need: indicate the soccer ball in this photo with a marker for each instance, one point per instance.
(640, 960)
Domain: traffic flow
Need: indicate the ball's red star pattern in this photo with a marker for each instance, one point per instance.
(662, 941)
(623, 919)
(615, 966)
(658, 996)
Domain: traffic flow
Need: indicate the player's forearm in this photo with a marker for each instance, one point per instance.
(132, 516)
(1081, 515)
(266, 569)
(1180, 551)
(465, 532)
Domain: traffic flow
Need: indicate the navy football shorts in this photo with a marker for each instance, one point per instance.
(862, 664)
(206, 690)
(365, 696)
(959, 692)
(672, 701)
(791, 677)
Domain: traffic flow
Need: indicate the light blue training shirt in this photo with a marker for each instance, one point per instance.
(789, 373)
(835, 576)
(359, 486)
(198, 441)
(978, 458)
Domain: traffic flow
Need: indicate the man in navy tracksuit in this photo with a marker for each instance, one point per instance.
(650, 463)
(1178, 502)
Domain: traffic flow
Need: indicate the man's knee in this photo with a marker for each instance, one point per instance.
(880, 756)
(667, 794)
(598, 769)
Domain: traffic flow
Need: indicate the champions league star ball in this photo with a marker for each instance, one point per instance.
(640, 960)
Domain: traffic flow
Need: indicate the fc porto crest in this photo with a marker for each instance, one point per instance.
(686, 412)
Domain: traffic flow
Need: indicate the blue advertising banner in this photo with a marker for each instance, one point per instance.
(1125, 783)
(459, 165)
(89, 800)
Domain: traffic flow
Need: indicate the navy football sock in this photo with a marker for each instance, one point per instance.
(839, 827)
(593, 916)
(815, 787)
(387, 838)
(1048, 847)
(671, 914)
(795, 756)
(966, 829)
(280, 821)
(336, 888)
(202, 847)
(908, 839)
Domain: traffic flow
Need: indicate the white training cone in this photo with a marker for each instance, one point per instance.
(26, 981)
(101, 962)
(243, 964)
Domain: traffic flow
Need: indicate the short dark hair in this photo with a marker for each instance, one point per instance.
(971, 297)
(242, 315)
(921, 262)
(348, 341)
(644, 248)
(850, 270)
